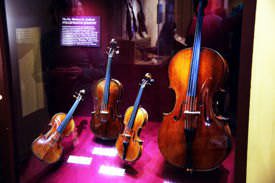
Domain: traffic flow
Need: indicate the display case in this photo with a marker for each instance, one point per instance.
(52, 51)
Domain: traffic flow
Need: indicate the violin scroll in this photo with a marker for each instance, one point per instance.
(113, 48)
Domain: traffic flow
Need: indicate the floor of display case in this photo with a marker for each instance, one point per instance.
(87, 159)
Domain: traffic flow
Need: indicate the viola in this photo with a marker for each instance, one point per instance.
(192, 136)
(47, 147)
(106, 122)
(129, 144)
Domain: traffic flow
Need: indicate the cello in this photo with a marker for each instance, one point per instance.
(192, 136)
(129, 144)
(106, 122)
(48, 147)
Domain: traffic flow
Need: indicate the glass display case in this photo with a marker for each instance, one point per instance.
(54, 50)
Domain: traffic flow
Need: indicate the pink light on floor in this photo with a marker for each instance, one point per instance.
(82, 160)
(103, 151)
(112, 171)
(150, 168)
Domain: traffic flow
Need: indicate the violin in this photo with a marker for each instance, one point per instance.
(192, 136)
(129, 144)
(106, 122)
(48, 147)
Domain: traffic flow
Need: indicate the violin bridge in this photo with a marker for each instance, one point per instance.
(139, 141)
(126, 135)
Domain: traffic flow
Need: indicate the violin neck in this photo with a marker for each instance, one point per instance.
(68, 117)
(193, 76)
(136, 105)
(107, 81)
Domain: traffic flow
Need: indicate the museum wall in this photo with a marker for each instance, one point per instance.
(261, 138)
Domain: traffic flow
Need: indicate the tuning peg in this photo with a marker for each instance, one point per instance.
(148, 75)
(150, 82)
(82, 91)
(113, 41)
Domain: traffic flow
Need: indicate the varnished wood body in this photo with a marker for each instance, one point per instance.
(212, 140)
(134, 149)
(106, 122)
(48, 147)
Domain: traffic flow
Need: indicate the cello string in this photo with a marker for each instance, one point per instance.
(197, 52)
(194, 65)
(191, 79)
(198, 44)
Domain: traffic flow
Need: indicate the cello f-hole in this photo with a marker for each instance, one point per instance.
(176, 118)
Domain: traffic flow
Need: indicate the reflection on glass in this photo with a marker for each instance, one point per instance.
(30, 69)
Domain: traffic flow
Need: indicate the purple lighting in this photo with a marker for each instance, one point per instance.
(151, 167)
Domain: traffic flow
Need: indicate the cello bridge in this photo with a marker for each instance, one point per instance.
(186, 112)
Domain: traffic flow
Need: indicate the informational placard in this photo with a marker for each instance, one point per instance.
(80, 31)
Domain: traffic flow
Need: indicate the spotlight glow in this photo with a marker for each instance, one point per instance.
(82, 160)
(112, 171)
(101, 151)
